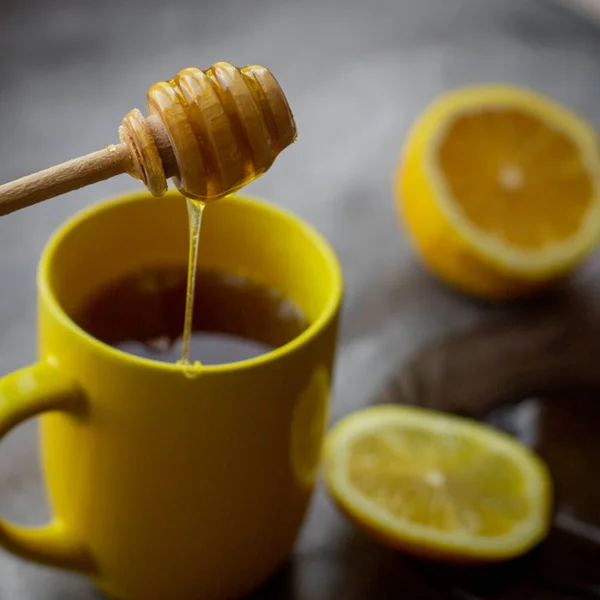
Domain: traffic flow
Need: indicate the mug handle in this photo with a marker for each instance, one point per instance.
(24, 394)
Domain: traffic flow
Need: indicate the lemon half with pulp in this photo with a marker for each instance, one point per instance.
(499, 189)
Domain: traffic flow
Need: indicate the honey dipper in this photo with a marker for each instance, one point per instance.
(210, 131)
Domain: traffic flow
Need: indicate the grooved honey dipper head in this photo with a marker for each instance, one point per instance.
(225, 127)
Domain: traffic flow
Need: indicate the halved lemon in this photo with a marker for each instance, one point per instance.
(437, 485)
(499, 189)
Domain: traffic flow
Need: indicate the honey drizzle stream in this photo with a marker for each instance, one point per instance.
(195, 210)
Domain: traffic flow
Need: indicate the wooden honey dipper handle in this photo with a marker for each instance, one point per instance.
(211, 131)
(63, 178)
(83, 171)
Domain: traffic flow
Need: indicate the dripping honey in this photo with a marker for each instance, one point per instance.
(195, 210)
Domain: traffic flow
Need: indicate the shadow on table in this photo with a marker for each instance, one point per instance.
(354, 569)
(359, 569)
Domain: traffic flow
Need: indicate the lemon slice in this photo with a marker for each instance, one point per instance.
(437, 485)
(499, 189)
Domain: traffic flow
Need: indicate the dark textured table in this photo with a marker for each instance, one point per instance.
(356, 74)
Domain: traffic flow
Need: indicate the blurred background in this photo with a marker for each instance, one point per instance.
(356, 74)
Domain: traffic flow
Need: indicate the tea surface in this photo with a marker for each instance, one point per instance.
(234, 318)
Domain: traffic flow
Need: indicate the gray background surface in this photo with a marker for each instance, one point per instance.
(356, 73)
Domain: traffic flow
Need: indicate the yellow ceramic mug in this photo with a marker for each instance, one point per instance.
(166, 487)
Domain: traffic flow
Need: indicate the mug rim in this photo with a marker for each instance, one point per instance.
(327, 313)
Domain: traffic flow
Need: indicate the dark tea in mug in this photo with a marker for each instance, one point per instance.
(234, 318)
